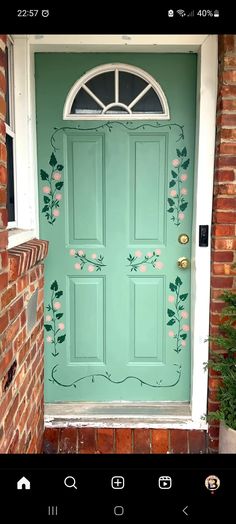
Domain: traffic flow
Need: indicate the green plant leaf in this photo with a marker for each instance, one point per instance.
(170, 210)
(185, 164)
(174, 174)
(45, 208)
(58, 294)
(59, 185)
(53, 160)
(171, 322)
(184, 151)
(44, 175)
(61, 339)
(48, 327)
(178, 153)
(178, 281)
(184, 296)
(183, 336)
(46, 199)
(60, 167)
(183, 206)
(170, 313)
(54, 286)
(59, 315)
(172, 287)
(172, 183)
(171, 202)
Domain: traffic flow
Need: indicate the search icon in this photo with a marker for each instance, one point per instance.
(70, 482)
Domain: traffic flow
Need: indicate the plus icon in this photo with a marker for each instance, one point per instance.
(117, 482)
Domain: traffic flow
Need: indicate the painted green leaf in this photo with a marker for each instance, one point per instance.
(174, 174)
(54, 286)
(53, 160)
(178, 281)
(59, 315)
(170, 210)
(185, 164)
(172, 287)
(44, 175)
(184, 151)
(60, 167)
(58, 294)
(45, 208)
(48, 327)
(178, 153)
(184, 296)
(183, 336)
(181, 308)
(171, 202)
(46, 199)
(59, 185)
(61, 339)
(170, 312)
(183, 206)
(172, 183)
(171, 322)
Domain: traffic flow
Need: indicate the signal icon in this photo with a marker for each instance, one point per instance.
(191, 13)
(181, 12)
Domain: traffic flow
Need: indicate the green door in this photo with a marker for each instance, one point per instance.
(114, 199)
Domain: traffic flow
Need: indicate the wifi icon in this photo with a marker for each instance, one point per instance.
(181, 12)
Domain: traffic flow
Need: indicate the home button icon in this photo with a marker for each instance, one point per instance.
(23, 483)
(119, 511)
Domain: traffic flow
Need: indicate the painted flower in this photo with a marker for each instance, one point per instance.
(149, 254)
(49, 339)
(183, 343)
(72, 252)
(81, 252)
(173, 193)
(138, 253)
(56, 175)
(184, 191)
(57, 305)
(157, 251)
(171, 298)
(143, 268)
(184, 314)
(185, 327)
(91, 268)
(94, 256)
(181, 215)
(58, 196)
(159, 265)
(176, 162)
(46, 190)
(171, 333)
(78, 266)
(184, 177)
(56, 212)
(61, 326)
(48, 318)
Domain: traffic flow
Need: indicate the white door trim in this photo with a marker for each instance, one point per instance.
(206, 47)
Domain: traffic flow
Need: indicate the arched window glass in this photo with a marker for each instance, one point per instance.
(119, 90)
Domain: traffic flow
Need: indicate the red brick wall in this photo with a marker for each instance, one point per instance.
(224, 205)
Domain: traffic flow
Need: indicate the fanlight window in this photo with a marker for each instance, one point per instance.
(116, 91)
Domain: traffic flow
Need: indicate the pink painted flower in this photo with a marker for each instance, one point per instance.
(171, 298)
(181, 215)
(91, 268)
(138, 253)
(46, 190)
(171, 333)
(72, 252)
(149, 254)
(58, 196)
(143, 268)
(61, 326)
(57, 175)
(176, 162)
(48, 318)
(94, 256)
(49, 339)
(173, 193)
(184, 191)
(184, 177)
(184, 314)
(56, 212)
(183, 343)
(159, 265)
(57, 305)
(185, 327)
(157, 251)
(81, 252)
(78, 266)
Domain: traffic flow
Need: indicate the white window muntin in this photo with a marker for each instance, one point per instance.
(10, 126)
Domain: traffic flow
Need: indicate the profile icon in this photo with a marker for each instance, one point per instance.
(212, 483)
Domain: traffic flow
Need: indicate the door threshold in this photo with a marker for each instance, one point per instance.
(121, 415)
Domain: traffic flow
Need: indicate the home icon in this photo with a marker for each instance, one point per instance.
(23, 483)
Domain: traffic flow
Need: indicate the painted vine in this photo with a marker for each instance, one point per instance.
(52, 195)
(54, 325)
(140, 262)
(178, 315)
(177, 202)
(92, 264)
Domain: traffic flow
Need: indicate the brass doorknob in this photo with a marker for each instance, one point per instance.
(183, 263)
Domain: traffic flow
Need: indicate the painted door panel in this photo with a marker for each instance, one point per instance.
(114, 198)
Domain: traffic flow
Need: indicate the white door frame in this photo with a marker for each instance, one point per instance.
(206, 47)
